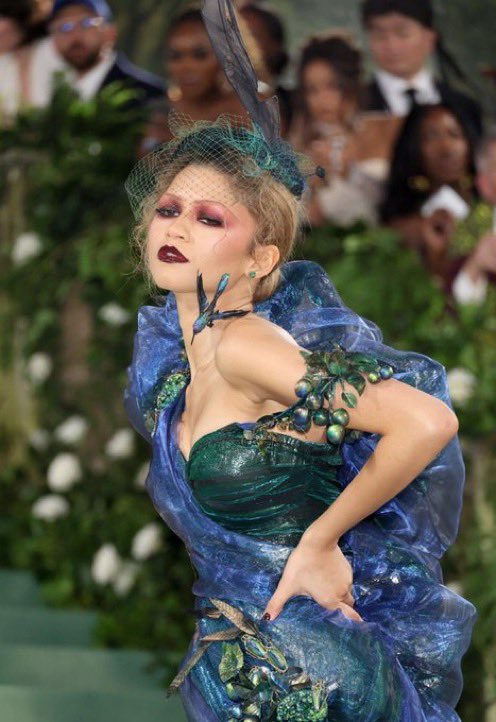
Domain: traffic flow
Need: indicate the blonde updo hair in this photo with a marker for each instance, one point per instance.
(277, 212)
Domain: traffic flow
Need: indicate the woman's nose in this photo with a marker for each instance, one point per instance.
(178, 228)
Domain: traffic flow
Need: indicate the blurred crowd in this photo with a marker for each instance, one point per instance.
(403, 147)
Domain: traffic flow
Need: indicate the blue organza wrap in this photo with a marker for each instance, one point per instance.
(411, 619)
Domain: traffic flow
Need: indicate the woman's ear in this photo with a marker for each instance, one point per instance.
(267, 258)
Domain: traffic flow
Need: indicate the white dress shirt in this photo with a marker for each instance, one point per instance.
(467, 291)
(393, 89)
(44, 61)
(88, 85)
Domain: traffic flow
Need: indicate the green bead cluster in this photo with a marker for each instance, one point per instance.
(326, 371)
(171, 386)
(262, 694)
(268, 691)
(299, 706)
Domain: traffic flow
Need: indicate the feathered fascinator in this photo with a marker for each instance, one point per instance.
(226, 143)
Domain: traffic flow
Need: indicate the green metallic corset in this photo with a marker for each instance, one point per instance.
(273, 492)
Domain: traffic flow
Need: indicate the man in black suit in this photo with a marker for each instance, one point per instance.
(84, 35)
(402, 39)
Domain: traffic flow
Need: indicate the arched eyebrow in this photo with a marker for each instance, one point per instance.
(180, 199)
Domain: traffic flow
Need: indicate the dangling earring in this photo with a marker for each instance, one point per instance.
(208, 313)
(419, 183)
(174, 93)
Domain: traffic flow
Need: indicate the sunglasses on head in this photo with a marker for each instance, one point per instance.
(83, 24)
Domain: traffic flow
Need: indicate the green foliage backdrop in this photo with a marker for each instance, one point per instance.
(68, 311)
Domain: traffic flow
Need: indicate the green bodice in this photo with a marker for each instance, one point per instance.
(272, 491)
(257, 481)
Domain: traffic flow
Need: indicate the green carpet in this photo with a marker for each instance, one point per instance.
(49, 672)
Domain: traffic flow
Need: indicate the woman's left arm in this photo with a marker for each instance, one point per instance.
(414, 427)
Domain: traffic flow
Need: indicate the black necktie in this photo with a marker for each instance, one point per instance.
(411, 93)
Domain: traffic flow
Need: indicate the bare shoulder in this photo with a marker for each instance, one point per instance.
(248, 334)
(251, 343)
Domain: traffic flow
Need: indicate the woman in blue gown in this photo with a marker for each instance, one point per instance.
(323, 479)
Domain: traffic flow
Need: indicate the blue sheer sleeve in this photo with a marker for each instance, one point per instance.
(156, 351)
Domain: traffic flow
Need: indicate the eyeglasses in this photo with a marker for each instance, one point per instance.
(70, 25)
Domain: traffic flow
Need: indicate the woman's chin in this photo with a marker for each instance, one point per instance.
(174, 276)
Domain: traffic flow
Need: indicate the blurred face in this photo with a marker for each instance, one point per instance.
(199, 226)
(486, 176)
(400, 45)
(270, 48)
(83, 44)
(11, 34)
(191, 62)
(323, 96)
(444, 147)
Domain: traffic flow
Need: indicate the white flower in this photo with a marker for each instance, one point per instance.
(50, 507)
(72, 430)
(39, 367)
(125, 577)
(95, 148)
(455, 587)
(113, 314)
(64, 472)
(106, 564)
(26, 247)
(461, 383)
(147, 541)
(39, 439)
(140, 478)
(121, 445)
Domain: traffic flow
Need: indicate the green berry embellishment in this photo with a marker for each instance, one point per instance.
(303, 388)
(320, 417)
(301, 419)
(341, 416)
(386, 372)
(374, 377)
(335, 433)
(314, 401)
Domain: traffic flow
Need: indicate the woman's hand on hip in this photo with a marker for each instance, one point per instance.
(321, 573)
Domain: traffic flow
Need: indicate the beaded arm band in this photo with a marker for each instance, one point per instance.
(326, 371)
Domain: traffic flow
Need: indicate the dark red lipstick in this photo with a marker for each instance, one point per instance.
(170, 254)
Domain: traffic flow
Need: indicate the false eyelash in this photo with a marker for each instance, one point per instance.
(161, 210)
(214, 222)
